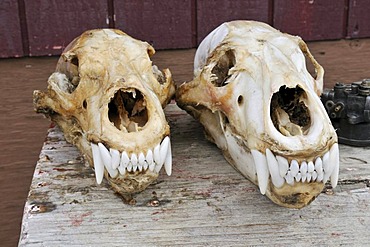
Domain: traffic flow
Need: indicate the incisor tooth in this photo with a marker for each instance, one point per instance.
(157, 154)
(283, 165)
(149, 157)
(298, 177)
(122, 170)
(115, 158)
(318, 165)
(310, 167)
(303, 168)
(98, 163)
(274, 169)
(308, 177)
(314, 176)
(124, 159)
(141, 159)
(289, 178)
(294, 168)
(133, 160)
(261, 169)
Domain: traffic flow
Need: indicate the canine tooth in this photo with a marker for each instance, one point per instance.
(318, 165)
(298, 177)
(260, 163)
(157, 154)
(303, 168)
(115, 158)
(149, 157)
(334, 160)
(122, 170)
(283, 165)
(314, 176)
(289, 178)
(105, 155)
(294, 168)
(134, 160)
(168, 160)
(310, 167)
(98, 163)
(125, 160)
(141, 159)
(273, 166)
(164, 149)
(107, 160)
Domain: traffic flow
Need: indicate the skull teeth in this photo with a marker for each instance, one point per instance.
(280, 171)
(116, 162)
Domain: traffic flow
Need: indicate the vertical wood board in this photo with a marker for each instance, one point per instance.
(53, 24)
(10, 30)
(359, 19)
(163, 24)
(312, 20)
(212, 13)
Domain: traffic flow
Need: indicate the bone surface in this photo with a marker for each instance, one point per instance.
(260, 105)
(108, 98)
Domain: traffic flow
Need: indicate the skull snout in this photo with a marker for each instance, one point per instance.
(289, 112)
(127, 110)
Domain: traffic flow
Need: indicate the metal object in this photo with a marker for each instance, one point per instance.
(348, 106)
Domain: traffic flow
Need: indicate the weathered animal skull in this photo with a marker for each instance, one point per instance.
(107, 97)
(260, 105)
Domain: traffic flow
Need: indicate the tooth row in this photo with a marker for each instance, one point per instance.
(280, 171)
(120, 162)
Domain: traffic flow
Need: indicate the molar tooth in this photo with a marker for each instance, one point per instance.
(125, 160)
(98, 163)
(273, 166)
(294, 168)
(141, 159)
(107, 160)
(289, 178)
(310, 167)
(157, 154)
(303, 168)
(149, 157)
(168, 160)
(334, 160)
(318, 165)
(115, 158)
(260, 163)
(283, 165)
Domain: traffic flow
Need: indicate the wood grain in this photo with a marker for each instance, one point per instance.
(358, 19)
(204, 202)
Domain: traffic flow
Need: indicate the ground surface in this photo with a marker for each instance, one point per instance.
(22, 131)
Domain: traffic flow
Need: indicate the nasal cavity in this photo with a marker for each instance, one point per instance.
(128, 111)
(289, 112)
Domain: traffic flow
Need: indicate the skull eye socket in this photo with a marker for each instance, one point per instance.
(288, 111)
(127, 110)
(221, 70)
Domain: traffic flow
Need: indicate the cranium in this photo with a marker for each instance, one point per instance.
(107, 97)
(258, 102)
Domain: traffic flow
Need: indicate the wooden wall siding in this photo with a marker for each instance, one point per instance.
(10, 31)
(53, 24)
(45, 27)
(311, 19)
(212, 13)
(359, 19)
(164, 24)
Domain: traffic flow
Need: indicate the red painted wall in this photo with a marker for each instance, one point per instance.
(45, 27)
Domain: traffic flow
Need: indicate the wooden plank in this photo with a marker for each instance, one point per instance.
(312, 20)
(52, 25)
(204, 202)
(10, 30)
(212, 13)
(358, 19)
(164, 24)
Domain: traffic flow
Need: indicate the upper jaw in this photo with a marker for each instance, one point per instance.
(125, 164)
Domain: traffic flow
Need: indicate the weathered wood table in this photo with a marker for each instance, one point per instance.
(204, 203)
